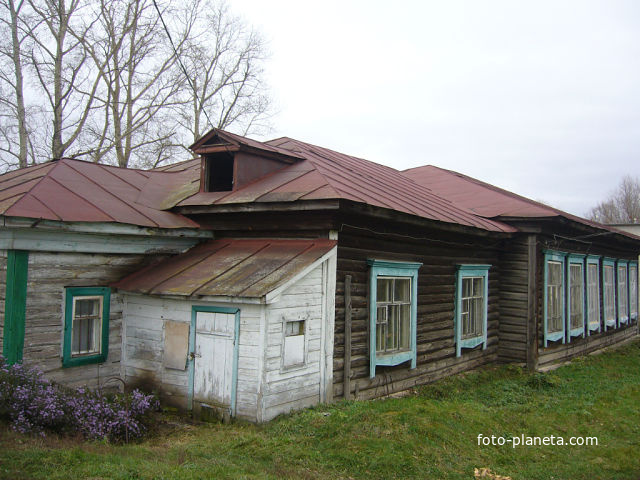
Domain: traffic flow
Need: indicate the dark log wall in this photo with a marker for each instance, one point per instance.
(514, 300)
(436, 286)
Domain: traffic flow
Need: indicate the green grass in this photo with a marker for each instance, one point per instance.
(431, 434)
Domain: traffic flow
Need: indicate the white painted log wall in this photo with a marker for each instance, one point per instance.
(143, 346)
(286, 389)
(49, 274)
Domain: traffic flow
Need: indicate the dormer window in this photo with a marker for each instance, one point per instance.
(218, 172)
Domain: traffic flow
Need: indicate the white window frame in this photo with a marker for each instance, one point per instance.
(575, 260)
(553, 257)
(609, 299)
(622, 288)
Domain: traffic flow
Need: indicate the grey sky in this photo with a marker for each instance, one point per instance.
(541, 98)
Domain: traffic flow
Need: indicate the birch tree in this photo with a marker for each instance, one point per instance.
(14, 137)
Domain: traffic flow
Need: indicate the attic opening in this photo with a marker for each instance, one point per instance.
(218, 172)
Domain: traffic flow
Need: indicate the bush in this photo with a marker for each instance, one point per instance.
(33, 404)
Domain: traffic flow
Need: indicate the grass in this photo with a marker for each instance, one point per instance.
(431, 434)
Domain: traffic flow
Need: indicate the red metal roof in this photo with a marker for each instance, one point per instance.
(490, 201)
(228, 267)
(325, 174)
(77, 191)
(481, 198)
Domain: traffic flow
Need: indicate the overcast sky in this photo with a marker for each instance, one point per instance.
(538, 97)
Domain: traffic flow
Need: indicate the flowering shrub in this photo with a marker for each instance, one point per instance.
(33, 404)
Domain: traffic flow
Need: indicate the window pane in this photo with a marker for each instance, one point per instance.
(622, 292)
(472, 307)
(384, 290)
(294, 328)
(85, 333)
(576, 300)
(609, 293)
(555, 304)
(402, 290)
(633, 290)
(393, 310)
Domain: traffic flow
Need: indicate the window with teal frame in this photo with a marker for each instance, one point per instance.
(86, 325)
(554, 287)
(472, 298)
(593, 294)
(633, 291)
(575, 296)
(623, 291)
(393, 297)
(609, 293)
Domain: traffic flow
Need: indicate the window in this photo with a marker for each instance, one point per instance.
(609, 293)
(575, 302)
(593, 293)
(623, 292)
(554, 327)
(218, 172)
(393, 292)
(633, 291)
(86, 325)
(293, 348)
(472, 286)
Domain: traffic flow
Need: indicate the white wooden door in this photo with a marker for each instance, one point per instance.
(213, 367)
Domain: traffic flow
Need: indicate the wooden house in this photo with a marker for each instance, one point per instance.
(268, 276)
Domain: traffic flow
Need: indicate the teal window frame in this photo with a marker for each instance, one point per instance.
(633, 307)
(593, 324)
(575, 259)
(553, 256)
(68, 360)
(608, 324)
(385, 268)
(622, 319)
(471, 271)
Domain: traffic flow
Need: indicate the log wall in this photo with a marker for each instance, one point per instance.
(514, 301)
(49, 274)
(436, 355)
(3, 290)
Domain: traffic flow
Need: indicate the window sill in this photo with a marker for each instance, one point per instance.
(389, 360)
(576, 332)
(85, 360)
(554, 337)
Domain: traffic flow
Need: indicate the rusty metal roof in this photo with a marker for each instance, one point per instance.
(325, 174)
(481, 198)
(78, 191)
(228, 267)
(490, 201)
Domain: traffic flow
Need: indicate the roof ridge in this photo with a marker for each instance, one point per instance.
(437, 201)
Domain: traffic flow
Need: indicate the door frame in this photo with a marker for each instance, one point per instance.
(236, 350)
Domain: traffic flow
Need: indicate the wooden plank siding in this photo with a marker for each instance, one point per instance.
(285, 389)
(144, 348)
(49, 274)
(436, 354)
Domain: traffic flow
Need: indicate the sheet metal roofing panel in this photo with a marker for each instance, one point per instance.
(228, 267)
(482, 198)
(328, 175)
(490, 201)
(77, 191)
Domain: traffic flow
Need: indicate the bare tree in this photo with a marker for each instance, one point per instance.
(622, 206)
(61, 66)
(13, 113)
(223, 61)
(123, 81)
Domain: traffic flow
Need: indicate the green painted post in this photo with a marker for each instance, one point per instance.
(15, 306)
